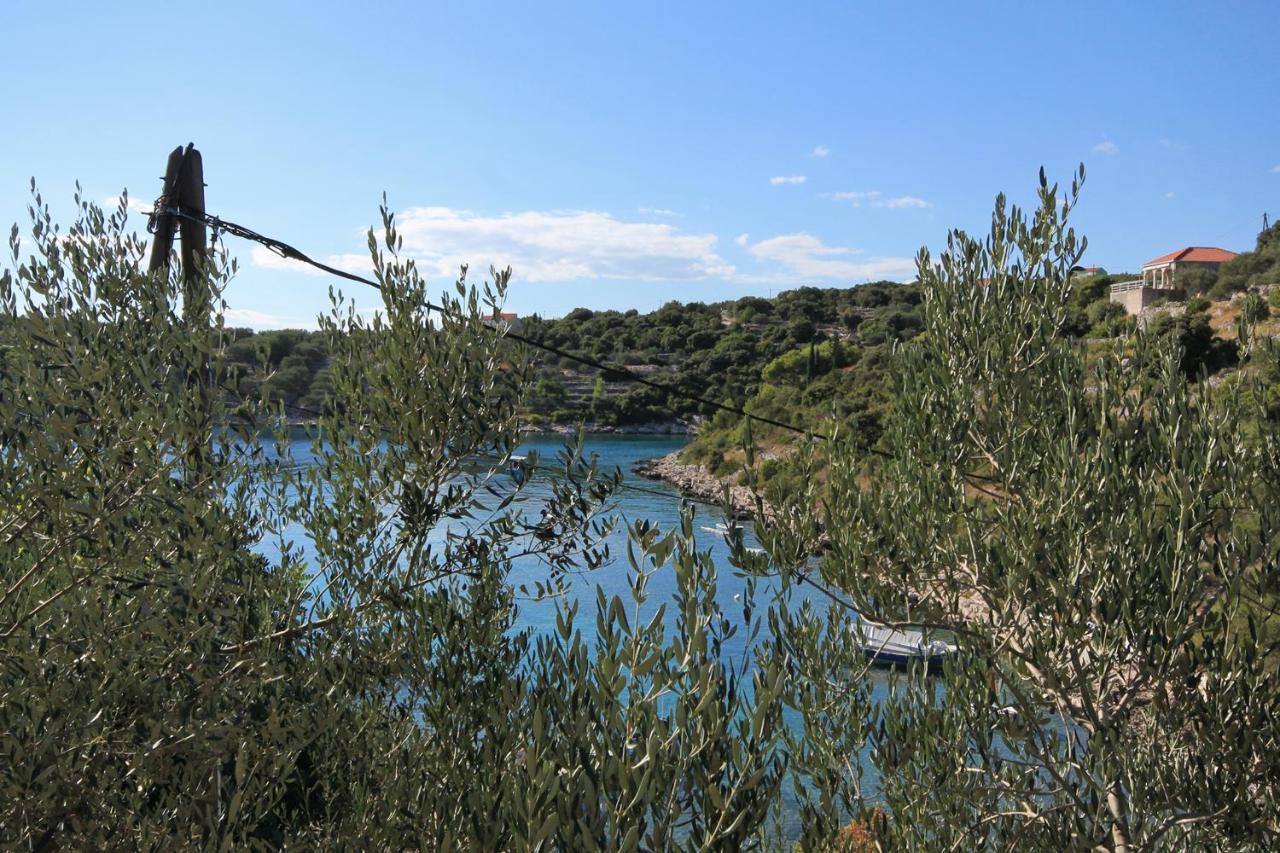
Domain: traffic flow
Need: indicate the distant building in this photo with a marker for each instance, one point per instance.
(1159, 277)
(511, 318)
(1161, 273)
(1087, 272)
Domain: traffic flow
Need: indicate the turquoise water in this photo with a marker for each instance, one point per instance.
(661, 510)
(629, 505)
(660, 505)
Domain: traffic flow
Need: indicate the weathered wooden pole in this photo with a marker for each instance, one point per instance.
(181, 208)
(162, 243)
(196, 304)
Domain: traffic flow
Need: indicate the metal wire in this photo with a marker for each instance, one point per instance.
(288, 252)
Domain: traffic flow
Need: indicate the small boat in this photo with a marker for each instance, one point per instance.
(726, 532)
(890, 647)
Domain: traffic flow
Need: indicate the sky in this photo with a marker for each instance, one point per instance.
(624, 155)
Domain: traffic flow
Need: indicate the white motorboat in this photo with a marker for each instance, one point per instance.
(885, 646)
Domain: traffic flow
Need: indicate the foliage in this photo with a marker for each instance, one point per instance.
(166, 685)
(1078, 534)
(1255, 309)
(1254, 269)
(715, 351)
(810, 362)
(1107, 319)
(1196, 281)
(1093, 536)
(1201, 350)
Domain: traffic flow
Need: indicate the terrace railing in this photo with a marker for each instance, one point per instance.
(1125, 286)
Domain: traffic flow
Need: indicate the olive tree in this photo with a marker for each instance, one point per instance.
(237, 648)
(1091, 536)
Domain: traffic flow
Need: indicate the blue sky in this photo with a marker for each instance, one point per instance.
(622, 155)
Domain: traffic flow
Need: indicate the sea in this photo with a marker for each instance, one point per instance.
(640, 499)
(659, 504)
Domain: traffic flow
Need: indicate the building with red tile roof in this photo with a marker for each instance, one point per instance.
(1085, 272)
(1162, 271)
(511, 318)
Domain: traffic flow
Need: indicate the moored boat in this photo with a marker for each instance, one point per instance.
(725, 531)
(900, 647)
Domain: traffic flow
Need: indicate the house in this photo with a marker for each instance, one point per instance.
(509, 318)
(1160, 276)
(1087, 272)
(1162, 272)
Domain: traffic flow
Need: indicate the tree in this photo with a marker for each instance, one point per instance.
(1093, 535)
(1200, 350)
(805, 363)
(801, 330)
(1196, 281)
(1089, 536)
(168, 686)
(1252, 269)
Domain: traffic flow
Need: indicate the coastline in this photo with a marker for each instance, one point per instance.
(661, 428)
(666, 428)
(696, 481)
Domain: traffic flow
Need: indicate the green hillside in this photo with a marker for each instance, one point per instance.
(726, 351)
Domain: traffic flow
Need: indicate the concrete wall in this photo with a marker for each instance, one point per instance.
(1137, 298)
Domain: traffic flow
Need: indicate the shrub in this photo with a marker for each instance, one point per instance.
(1075, 533)
(168, 686)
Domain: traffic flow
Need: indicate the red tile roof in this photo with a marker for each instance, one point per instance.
(1195, 255)
(506, 316)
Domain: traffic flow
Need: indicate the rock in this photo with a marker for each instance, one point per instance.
(698, 482)
(663, 428)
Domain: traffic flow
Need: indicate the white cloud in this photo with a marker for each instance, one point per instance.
(542, 246)
(806, 256)
(857, 199)
(907, 201)
(821, 151)
(563, 246)
(787, 179)
(136, 206)
(1276, 169)
(1107, 148)
(875, 198)
(263, 320)
(1169, 194)
(657, 211)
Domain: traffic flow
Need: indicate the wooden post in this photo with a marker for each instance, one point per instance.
(162, 244)
(196, 304)
(195, 245)
(184, 191)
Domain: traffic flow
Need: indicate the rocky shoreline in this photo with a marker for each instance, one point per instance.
(697, 482)
(664, 428)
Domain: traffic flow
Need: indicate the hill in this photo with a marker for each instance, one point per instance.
(854, 388)
(726, 351)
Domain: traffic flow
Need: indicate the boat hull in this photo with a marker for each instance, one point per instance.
(886, 659)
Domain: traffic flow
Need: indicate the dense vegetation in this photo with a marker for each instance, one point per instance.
(721, 351)
(1092, 531)
(718, 351)
(1098, 534)
(854, 390)
(1247, 270)
(166, 686)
